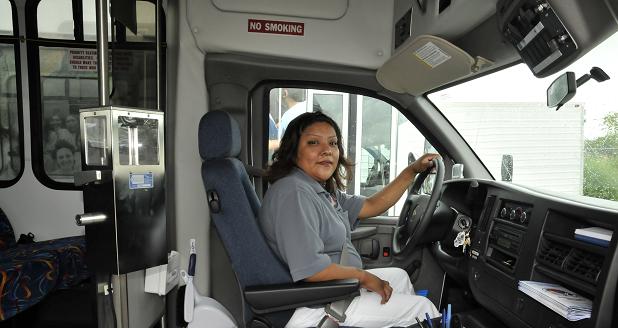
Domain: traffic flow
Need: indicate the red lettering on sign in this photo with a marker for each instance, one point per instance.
(275, 27)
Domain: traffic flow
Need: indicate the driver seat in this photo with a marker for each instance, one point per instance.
(267, 287)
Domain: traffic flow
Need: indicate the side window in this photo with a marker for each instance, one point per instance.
(64, 50)
(378, 139)
(11, 148)
(68, 80)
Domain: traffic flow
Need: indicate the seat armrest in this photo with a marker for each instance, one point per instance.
(273, 298)
(363, 232)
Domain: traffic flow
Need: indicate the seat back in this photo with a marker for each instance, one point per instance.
(234, 207)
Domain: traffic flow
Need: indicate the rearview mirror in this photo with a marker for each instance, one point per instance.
(564, 87)
(561, 90)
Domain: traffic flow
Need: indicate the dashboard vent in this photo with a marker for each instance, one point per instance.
(489, 207)
(584, 265)
(552, 254)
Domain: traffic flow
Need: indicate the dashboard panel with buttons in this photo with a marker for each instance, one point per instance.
(516, 212)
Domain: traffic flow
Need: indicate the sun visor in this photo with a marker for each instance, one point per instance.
(425, 63)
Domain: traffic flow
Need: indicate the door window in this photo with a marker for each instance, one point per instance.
(11, 146)
(65, 46)
(377, 138)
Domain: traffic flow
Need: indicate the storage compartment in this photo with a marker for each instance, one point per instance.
(504, 245)
(501, 259)
(561, 258)
(539, 315)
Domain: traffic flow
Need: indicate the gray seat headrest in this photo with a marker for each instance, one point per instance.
(218, 136)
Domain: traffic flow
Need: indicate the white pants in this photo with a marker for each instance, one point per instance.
(366, 310)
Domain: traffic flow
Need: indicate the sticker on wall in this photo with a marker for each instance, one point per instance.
(141, 180)
(83, 60)
(275, 27)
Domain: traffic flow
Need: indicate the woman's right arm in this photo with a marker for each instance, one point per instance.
(367, 280)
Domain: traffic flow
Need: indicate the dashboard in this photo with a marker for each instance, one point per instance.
(519, 234)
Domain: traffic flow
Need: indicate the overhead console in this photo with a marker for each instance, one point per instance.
(539, 36)
(550, 35)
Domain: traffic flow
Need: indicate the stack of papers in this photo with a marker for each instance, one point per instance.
(594, 235)
(563, 301)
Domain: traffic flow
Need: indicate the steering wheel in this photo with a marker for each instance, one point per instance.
(417, 210)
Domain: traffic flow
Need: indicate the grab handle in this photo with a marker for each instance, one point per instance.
(90, 218)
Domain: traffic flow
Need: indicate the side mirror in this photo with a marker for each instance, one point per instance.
(457, 171)
(411, 158)
(506, 170)
(561, 90)
(427, 186)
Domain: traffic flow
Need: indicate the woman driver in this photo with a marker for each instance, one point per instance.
(307, 219)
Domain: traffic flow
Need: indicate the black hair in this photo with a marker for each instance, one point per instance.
(284, 158)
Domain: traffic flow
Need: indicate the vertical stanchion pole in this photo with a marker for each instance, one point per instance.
(102, 52)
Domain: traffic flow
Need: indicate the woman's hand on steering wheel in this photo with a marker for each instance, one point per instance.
(423, 163)
(418, 208)
(377, 285)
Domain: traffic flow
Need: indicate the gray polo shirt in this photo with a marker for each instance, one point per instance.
(304, 226)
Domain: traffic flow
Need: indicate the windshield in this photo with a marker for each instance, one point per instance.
(504, 118)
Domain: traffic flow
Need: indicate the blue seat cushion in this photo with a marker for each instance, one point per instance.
(7, 235)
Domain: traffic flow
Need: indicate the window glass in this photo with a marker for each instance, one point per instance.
(6, 18)
(10, 147)
(376, 145)
(55, 19)
(146, 30)
(148, 142)
(95, 135)
(68, 83)
(138, 140)
(572, 151)
(330, 104)
(134, 74)
(90, 21)
(376, 137)
(145, 15)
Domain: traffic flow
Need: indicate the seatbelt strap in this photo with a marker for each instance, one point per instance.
(343, 260)
(335, 311)
(255, 171)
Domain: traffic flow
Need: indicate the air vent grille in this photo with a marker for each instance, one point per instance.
(584, 265)
(552, 254)
(489, 207)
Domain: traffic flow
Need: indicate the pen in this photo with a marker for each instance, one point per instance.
(420, 324)
(428, 320)
(448, 316)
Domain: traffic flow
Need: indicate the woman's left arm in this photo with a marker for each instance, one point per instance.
(381, 201)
